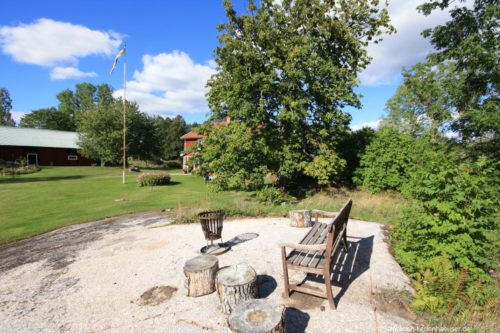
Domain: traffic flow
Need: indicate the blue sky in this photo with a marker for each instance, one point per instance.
(48, 46)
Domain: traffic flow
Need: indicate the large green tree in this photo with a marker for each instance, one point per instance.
(422, 104)
(5, 107)
(72, 105)
(83, 99)
(100, 130)
(49, 118)
(169, 131)
(471, 40)
(290, 69)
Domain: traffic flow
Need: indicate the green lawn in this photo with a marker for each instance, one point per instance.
(59, 196)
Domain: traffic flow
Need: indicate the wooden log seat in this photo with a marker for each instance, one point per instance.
(257, 316)
(200, 275)
(236, 284)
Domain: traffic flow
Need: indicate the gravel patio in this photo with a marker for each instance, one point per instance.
(125, 274)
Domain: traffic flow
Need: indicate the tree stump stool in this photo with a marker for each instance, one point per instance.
(300, 218)
(257, 316)
(236, 284)
(200, 275)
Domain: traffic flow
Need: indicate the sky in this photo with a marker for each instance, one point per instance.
(49, 46)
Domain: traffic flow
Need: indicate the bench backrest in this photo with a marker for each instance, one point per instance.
(321, 233)
(337, 227)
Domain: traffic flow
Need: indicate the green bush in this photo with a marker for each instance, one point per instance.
(352, 147)
(438, 287)
(273, 195)
(442, 239)
(455, 205)
(386, 163)
(235, 157)
(153, 179)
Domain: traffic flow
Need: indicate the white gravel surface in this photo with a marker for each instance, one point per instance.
(99, 288)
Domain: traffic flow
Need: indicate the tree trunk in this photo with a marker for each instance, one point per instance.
(200, 275)
(257, 316)
(236, 284)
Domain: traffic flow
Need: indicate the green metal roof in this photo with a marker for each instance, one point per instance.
(32, 137)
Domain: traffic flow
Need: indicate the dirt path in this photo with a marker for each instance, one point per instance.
(125, 275)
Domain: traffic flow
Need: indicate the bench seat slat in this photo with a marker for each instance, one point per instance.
(315, 259)
(311, 233)
(312, 255)
(316, 237)
(307, 240)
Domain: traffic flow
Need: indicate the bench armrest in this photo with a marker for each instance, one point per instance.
(323, 213)
(304, 247)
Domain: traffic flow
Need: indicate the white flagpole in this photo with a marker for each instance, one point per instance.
(124, 112)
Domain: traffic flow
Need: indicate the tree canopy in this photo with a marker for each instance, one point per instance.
(5, 107)
(49, 118)
(471, 41)
(169, 131)
(422, 104)
(289, 69)
(100, 130)
(72, 105)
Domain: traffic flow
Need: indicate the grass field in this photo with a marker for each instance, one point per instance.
(58, 196)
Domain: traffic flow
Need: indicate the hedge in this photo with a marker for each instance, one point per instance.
(153, 179)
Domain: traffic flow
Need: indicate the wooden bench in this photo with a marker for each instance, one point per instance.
(315, 251)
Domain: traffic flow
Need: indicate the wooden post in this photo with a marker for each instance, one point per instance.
(300, 218)
(236, 284)
(257, 316)
(200, 275)
(285, 272)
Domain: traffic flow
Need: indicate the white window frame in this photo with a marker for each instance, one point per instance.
(72, 157)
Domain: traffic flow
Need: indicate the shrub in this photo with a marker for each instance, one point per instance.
(442, 239)
(454, 207)
(23, 170)
(153, 179)
(352, 147)
(438, 287)
(324, 166)
(386, 162)
(235, 156)
(272, 195)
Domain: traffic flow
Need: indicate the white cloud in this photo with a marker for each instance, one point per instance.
(16, 115)
(170, 84)
(404, 48)
(52, 44)
(63, 73)
(372, 124)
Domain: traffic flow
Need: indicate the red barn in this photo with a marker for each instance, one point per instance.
(40, 146)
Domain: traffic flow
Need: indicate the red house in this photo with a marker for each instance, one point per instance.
(192, 138)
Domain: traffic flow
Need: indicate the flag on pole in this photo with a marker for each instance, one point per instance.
(122, 51)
